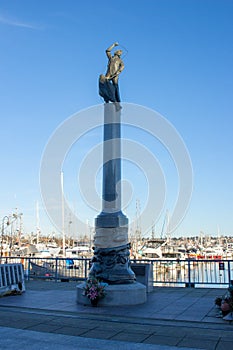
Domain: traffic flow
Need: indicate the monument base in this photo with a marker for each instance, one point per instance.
(112, 265)
(117, 295)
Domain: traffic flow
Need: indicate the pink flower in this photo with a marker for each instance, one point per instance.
(94, 289)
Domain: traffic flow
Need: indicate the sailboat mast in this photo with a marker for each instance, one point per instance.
(37, 223)
(63, 216)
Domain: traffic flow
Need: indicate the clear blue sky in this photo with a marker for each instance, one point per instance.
(179, 63)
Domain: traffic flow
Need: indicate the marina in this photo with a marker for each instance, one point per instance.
(201, 261)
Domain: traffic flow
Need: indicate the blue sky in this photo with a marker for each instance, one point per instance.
(179, 63)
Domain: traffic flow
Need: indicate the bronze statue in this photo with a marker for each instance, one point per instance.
(108, 83)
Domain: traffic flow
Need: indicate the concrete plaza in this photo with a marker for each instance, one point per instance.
(47, 316)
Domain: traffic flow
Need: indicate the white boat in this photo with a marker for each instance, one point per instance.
(228, 252)
(213, 253)
(152, 253)
(79, 251)
(153, 249)
(47, 250)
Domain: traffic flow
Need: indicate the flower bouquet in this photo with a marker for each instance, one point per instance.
(94, 290)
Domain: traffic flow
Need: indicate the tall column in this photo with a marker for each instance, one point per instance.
(111, 247)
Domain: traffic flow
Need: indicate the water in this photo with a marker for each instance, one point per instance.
(202, 273)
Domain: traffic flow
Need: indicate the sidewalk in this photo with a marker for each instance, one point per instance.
(48, 317)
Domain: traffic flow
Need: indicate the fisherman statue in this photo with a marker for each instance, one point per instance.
(108, 83)
(111, 247)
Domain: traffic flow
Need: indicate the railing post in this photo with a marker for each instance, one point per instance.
(28, 274)
(56, 269)
(152, 266)
(189, 274)
(229, 272)
(85, 269)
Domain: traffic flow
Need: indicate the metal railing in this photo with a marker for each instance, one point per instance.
(182, 273)
(188, 273)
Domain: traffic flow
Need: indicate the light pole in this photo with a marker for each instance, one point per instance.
(20, 226)
(7, 223)
(11, 219)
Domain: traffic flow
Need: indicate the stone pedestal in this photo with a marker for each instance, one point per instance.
(117, 295)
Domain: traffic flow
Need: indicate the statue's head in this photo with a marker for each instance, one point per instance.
(118, 53)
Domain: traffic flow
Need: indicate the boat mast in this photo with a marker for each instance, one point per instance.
(63, 216)
(37, 223)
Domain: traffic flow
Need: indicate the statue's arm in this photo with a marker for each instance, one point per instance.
(108, 51)
(122, 66)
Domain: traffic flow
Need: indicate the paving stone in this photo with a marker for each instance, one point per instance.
(205, 336)
(42, 328)
(198, 343)
(172, 331)
(71, 331)
(73, 322)
(224, 345)
(99, 334)
(162, 340)
(111, 325)
(227, 336)
(140, 328)
(131, 337)
(208, 334)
